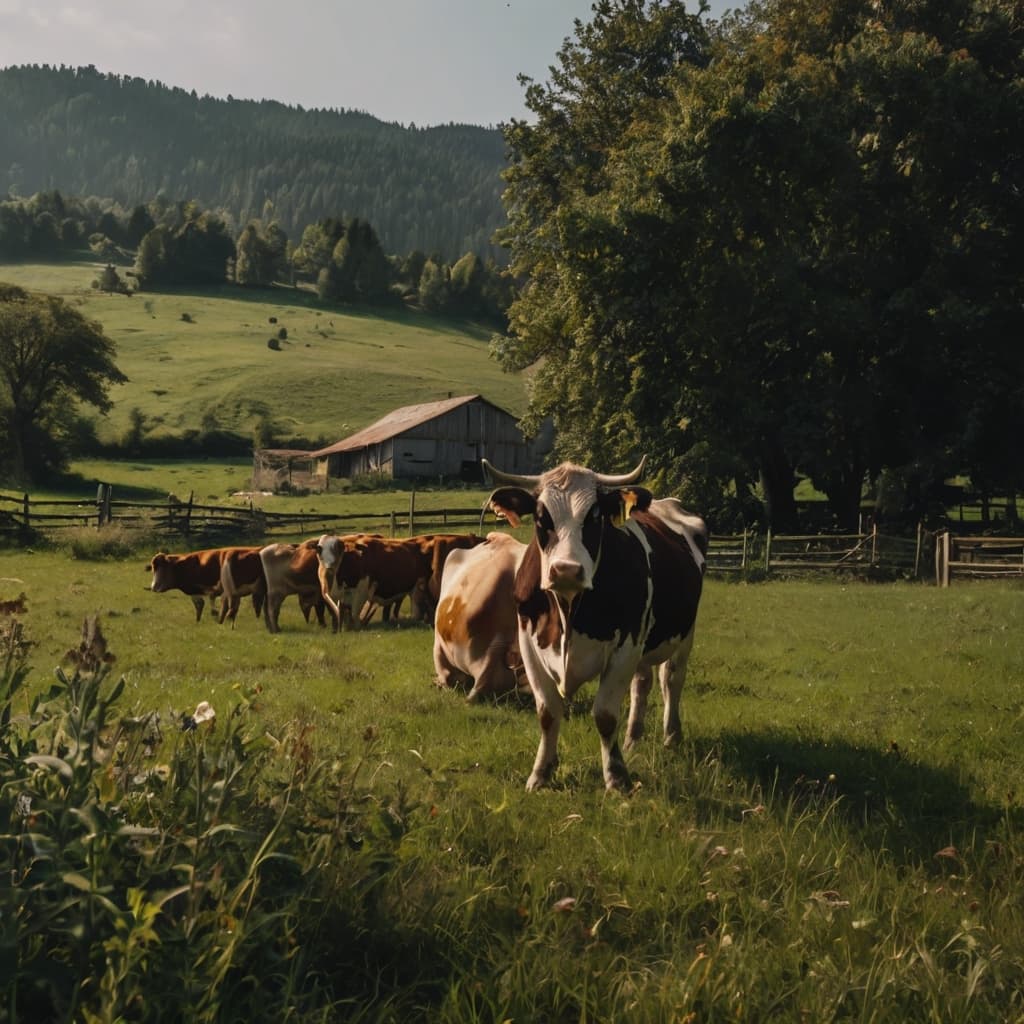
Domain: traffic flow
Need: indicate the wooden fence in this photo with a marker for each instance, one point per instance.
(22, 516)
(198, 525)
(977, 557)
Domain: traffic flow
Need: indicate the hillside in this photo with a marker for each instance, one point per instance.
(336, 372)
(86, 133)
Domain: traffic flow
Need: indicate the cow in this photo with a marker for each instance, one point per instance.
(368, 570)
(475, 632)
(241, 574)
(196, 573)
(608, 587)
(291, 569)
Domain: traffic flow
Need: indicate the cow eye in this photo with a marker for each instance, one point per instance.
(544, 520)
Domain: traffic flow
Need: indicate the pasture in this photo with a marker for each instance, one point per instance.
(838, 838)
(189, 356)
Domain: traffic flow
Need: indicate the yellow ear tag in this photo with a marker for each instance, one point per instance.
(627, 502)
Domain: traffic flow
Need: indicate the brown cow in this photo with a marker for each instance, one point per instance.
(475, 629)
(358, 571)
(241, 574)
(291, 569)
(196, 573)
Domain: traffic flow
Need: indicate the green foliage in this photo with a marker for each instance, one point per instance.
(202, 886)
(196, 251)
(802, 255)
(261, 254)
(52, 358)
(107, 135)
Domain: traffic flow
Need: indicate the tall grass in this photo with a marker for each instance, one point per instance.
(838, 837)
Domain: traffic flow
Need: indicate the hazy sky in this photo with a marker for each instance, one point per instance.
(420, 61)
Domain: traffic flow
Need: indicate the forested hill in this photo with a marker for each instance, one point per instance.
(87, 133)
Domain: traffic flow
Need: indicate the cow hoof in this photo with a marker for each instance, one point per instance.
(632, 739)
(619, 783)
(673, 739)
(537, 780)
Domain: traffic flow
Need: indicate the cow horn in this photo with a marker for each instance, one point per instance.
(509, 479)
(607, 480)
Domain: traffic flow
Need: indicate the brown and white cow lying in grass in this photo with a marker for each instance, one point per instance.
(475, 632)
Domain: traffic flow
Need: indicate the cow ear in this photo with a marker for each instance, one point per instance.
(630, 498)
(512, 503)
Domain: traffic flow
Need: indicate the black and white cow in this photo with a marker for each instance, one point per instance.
(608, 587)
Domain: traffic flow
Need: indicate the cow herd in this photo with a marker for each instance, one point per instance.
(607, 587)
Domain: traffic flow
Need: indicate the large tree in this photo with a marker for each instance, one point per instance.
(52, 360)
(802, 255)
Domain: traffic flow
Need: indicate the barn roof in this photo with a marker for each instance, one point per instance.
(397, 422)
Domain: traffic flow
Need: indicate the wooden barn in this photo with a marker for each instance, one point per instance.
(431, 440)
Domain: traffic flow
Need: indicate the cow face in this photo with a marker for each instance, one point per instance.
(571, 514)
(164, 576)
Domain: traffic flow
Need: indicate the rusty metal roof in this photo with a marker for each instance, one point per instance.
(396, 423)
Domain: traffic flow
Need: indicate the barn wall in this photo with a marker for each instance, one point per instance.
(453, 444)
(450, 445)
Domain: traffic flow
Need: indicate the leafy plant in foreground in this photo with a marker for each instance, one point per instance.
(188, 889)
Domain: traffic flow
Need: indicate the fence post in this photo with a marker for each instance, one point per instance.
(188, 513)
(25, 512)
(917, 552)
(743, 555)
(942, 552)
(874, 542)
(768, 549)
(412, 511)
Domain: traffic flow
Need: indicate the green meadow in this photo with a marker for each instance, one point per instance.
(194, 356)
(837, 838)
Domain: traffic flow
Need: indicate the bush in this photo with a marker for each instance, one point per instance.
(182, 867)
(112, 541)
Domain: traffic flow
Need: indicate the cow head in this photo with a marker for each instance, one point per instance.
(162, 567)
(572, 507)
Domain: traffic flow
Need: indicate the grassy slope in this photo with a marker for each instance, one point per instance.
(338, 370)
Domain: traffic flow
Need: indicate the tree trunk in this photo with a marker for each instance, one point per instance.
(778, 481)
(844, 494)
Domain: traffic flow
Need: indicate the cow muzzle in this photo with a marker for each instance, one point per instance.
(566, 578)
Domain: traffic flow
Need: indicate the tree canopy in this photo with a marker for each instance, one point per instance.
(789, 242)
(52, 360)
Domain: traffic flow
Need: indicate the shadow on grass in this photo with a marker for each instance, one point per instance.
(919, 808)
(284, 296)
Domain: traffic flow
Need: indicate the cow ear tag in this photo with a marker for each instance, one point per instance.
(627, 502)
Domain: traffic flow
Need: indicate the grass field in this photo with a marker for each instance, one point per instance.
(339, 369)
(839, 837)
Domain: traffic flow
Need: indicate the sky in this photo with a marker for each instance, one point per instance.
(420, 62)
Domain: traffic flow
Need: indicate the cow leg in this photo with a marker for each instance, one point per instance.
(495, 677)
(672, 675)
(639, 692)
(550, 710)
(271, 610)
(607, 708)
(199, 603)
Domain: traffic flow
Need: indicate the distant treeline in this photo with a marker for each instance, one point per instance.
(162, 244)
(91, 134)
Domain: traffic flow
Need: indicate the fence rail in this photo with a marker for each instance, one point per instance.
(977, 557)
(201, 524)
